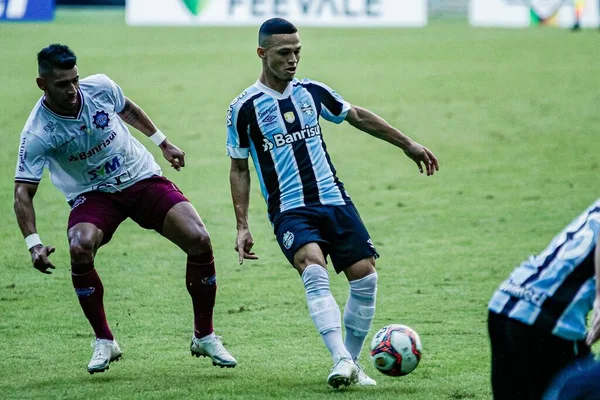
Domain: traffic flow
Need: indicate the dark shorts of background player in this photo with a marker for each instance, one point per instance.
(338, 230)
(146, 202)
(525, 359)
(579, 381)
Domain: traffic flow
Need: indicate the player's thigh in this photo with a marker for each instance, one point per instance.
(299, 237)
(184, 227)
(501, 373)
(577, 381)
(556, 354)
(153, 199)
(103, 211)
(511, 341)
(309, 254)
(351, 244)
(360, 269)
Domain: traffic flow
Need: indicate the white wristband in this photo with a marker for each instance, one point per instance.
(32, 240)
(158, 137)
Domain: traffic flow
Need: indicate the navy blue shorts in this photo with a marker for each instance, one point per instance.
(337, 229)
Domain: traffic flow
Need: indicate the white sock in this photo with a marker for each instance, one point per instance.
(324, 310)
(359, 313)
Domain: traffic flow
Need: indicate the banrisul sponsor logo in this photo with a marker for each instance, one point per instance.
(282, 139)
(195, 6)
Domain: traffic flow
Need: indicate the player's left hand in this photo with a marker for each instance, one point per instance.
(421, 154)
(594, 332)
(173, 155)
(243, 245)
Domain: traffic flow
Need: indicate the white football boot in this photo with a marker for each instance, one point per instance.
(213, 348)
(105, 352)
(344, 372)
(363, 379)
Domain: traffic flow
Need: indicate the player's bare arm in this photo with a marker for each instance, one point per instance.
(594, 332)
(239, 179)
(133, 115)
(369, 122)
(24, 193)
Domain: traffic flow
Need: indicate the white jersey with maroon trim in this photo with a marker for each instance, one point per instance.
(91, 151)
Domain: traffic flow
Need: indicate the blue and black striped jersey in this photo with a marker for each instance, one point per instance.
(282, 133)
(555, 290)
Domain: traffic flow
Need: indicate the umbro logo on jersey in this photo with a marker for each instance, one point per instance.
(101, 119)
(269, 120)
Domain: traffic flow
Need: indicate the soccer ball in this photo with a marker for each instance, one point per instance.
(396, 350)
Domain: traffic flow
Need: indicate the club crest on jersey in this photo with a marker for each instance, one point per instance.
(289, 117)
(101, 119)
(288, 239)
(306, 109)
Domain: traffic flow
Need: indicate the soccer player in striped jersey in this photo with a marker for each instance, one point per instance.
(78, 130)
(276, 121)
(537, 317)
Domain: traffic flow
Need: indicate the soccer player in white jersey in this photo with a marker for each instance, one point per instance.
(538, 316)
(276, 121)
(77, 128)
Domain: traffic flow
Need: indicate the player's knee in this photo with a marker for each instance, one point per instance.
(83, 242)
(81, 250)
(198, 243)
(364, 288)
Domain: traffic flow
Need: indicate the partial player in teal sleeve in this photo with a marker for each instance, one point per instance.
(538, 316)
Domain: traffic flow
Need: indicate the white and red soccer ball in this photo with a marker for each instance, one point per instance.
(396, 350)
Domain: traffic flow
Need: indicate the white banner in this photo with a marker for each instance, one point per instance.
(523, 13)
(411, 13)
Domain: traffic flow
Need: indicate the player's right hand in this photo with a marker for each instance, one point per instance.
(243, 245)
(39, 257)
(594, 332)
(421, 154)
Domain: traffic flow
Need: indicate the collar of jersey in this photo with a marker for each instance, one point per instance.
(273, 93)
(66, 116)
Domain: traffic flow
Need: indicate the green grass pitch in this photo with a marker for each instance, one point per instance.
(511, 114)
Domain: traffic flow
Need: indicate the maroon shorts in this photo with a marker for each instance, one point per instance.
(146, 202)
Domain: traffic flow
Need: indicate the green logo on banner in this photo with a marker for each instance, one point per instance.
(195, 6)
